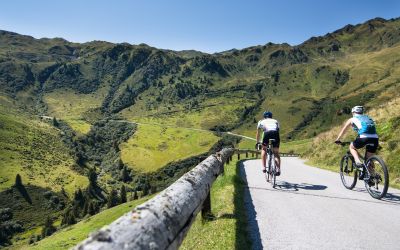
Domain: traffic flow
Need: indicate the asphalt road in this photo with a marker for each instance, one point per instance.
(310, 209)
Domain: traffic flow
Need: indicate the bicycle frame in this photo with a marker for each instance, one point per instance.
(271, 163)
(364, 159)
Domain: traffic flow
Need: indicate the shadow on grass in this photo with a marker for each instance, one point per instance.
(244, 204)
(22, 190)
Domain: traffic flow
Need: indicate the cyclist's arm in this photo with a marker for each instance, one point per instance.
(259, 126)
(345, 127)
(258, 134)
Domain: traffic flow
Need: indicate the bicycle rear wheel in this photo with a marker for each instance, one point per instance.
(348, 173)
(379, 177)
(268, 173)
(273, 170)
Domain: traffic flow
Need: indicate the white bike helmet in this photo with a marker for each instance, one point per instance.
(357, 109)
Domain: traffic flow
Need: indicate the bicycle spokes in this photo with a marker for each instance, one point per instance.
(348, 173)
(378, 181)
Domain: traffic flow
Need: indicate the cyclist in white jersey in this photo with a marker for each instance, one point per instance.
(366, 130)
(270, 130)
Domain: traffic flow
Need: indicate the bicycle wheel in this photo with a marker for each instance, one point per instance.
(379, 177)
(268, 168)
(273, 171)
(348, 173)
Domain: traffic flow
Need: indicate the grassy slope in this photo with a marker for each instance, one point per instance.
(71, 106)
(70, 236)
(152, 146)
(211, 111)
(34, 149)
(227, 230)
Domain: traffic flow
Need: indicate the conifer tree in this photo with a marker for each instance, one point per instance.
(123, 194)
(112, 199)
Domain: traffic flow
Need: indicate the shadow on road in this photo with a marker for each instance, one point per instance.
(390, 199)
(253, 229)
(393, 198)
(283, 185)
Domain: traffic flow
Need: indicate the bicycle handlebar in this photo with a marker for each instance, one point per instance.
(343, 143)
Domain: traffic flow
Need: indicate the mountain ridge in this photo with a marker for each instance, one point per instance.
(346, 28)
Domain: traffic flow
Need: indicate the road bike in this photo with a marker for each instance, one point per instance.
(374, 173)
(271, 170)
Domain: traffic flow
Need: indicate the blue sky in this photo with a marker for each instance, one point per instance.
(205, 25)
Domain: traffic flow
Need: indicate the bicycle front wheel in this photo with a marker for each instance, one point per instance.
(378, 183)
(348, 173)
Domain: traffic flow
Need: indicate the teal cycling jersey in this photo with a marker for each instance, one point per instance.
(364, 126)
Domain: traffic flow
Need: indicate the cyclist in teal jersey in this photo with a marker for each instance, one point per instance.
(366, 130)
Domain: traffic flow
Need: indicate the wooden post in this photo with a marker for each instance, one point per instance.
(238, 156)
(252, 154)
(247, 154)
(206, 210)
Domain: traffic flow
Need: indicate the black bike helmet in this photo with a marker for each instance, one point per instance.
(267, 114)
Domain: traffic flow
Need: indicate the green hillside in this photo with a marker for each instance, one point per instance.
(28, 146)
(92, 95)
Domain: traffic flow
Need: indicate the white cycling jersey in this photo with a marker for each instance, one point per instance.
(268, 124)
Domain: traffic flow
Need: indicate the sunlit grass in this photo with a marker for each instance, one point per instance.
(228, 227)
(153, 146)
(70, 106)
(34, 150)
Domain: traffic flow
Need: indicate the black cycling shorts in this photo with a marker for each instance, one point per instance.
(272, 135)
(370, 143)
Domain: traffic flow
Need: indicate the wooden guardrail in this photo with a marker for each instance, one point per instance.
(163, 221)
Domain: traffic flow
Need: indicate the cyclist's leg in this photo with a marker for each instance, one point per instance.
(356, 144)
(264, 157)
(371, 147)
(354, 153)
(277, 157)
(276, 145)
(370, 151)
(264, 151)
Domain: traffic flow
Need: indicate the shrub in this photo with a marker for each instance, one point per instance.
(48, 228)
